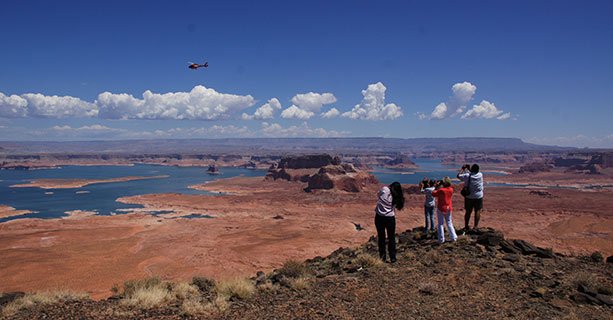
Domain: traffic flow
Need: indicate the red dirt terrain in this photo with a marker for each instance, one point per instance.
(259, 225)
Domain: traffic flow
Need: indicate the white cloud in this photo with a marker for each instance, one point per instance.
(13, 106)
(504, 116)
(485, 110)
(305, 105)
(421, 116)
(373, 107)
(200, 103)
(87, 129)
(39, 105)
(264, 112)
(101, 131)
(462, 93)
(304, 130)
(58, 107)
(294, 112)
(313, 101)
(332, 113)
(439, 112)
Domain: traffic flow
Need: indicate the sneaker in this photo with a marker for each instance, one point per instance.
(393, 260)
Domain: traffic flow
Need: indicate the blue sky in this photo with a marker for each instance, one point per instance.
(538, 70)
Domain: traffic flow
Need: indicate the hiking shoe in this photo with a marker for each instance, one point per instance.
(393, 260)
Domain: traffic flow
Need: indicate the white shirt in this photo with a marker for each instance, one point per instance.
(384, 203)
(476, 184)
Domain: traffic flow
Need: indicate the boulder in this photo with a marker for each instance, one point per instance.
(490, 238)
(6, 298)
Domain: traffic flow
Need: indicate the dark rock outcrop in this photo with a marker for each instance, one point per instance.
(306, 161)
(535, 167)
(341, 177)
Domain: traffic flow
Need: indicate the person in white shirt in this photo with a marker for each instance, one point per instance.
(427, 187)
(390, 199)
(472, 178)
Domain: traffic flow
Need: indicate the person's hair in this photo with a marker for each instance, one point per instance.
(446, 182)
(474, 168)
(431, 183)
(397, 195)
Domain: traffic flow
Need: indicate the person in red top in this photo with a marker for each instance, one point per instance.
(443, 209)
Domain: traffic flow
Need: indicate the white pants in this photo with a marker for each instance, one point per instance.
(441, 231)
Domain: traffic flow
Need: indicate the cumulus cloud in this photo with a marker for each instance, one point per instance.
(486, 110)
(200, 103)
(39, 105)
(305, 105)
(332, 113)
(421, 116)
(13, 106)
(94, 127)
(58, 107)
(462, 93)
(264, 112)
(101, 131)
(439, 112)
(313, 101)
(373, 107)
(294, 112)
(304, 130)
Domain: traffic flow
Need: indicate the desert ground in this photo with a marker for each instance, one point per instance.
(259, 225)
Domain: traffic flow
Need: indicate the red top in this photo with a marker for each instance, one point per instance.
(443, 199)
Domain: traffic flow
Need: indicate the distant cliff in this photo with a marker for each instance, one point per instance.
(255, 146)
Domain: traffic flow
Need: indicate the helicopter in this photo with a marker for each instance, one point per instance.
(195, 66)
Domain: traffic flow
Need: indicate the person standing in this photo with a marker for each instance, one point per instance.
(427, 187)
(444, 210)
(473, 179)
(390, 199)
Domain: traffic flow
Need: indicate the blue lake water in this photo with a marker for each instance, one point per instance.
(430, 168)
(101, 197)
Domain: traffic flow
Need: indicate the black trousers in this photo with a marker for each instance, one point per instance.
(386, 224)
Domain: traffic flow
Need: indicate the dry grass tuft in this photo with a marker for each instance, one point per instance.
(185, 291)
(42, 298)
(366, 260)
(293, 269)
(192, 307)
(240, 288)
(152, 292)
(221, 303)
(131, 286)
(148, 297)
(301, 283)
(268, 286)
